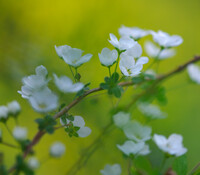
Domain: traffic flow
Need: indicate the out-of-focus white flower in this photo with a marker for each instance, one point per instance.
(123, 43)
(35, 82)
(129, 66)
(78, 122)
(57, 149)
(111, 170)
(133, 32)
(165, 40)
(65, 84)
(14, 108)
(20, 133)
(153, 51)
(150, 72)
(72, 56)
(3, 112)
(131, 147)
(135, 131)
(121, 119)
(108, 57)
(33, 163)
(194, 73)
(151, 111)
(173, 145)
(44, 100)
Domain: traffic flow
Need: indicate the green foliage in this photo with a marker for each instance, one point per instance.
(3, 170)
(72, 130)
(24, 144)
(143, 77)
(154, 93)
(82, 91)
(111, 84)
(180, 165)
(21, 166)
(47, 124)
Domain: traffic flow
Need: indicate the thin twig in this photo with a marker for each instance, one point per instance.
(194, 169)
(9, 145)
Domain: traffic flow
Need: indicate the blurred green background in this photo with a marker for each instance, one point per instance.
(30, 29)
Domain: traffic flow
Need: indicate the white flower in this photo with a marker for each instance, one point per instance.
(194, 73)
(72, 56)
(153, 51)
(131, 147)
(165, 40)
(79, 122)
(108, 57)
(123, 43)
(133, 32)
(44, 100)
(57, 149)
(3, 112)
(111, 170)
(35, 82)
(14, 108)
(121, 119)
(65, 84)
(151, 111)
(135, 131)
(173, 145)
(33, 163)
(129, 66)
(20, 133)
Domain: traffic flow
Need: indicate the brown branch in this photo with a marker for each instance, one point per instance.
(39, 134)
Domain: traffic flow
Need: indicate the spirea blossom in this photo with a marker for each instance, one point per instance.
(121, 119)
(33, 163)
(20, 133)
(134, 148)
(14, 108)
(34, 83)
(151, 111)
(108, 57)
(131, 67)
(79, 122)
(57, 149)
(165, 40)
(111, 170)
(44, 101)
(154, 52)
(173, 145)
(3, 112)
(194, 73)
(72, 56)
(66, 85)
(123, 43)
(137, 132)
(133, 32)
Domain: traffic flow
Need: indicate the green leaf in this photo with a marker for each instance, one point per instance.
(47, 123)
(180, 165)
(116, 91)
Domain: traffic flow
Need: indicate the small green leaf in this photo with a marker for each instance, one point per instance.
(180, 165)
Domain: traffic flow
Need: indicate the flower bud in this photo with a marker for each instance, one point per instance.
(33, 163)
(14, 108)
(20, 133)
(57, 149)
(3, 112)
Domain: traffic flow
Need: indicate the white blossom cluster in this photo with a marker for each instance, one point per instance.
(12, 109)
(135, 132)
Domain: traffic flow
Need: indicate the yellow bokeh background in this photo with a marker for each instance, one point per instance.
(30, 29)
